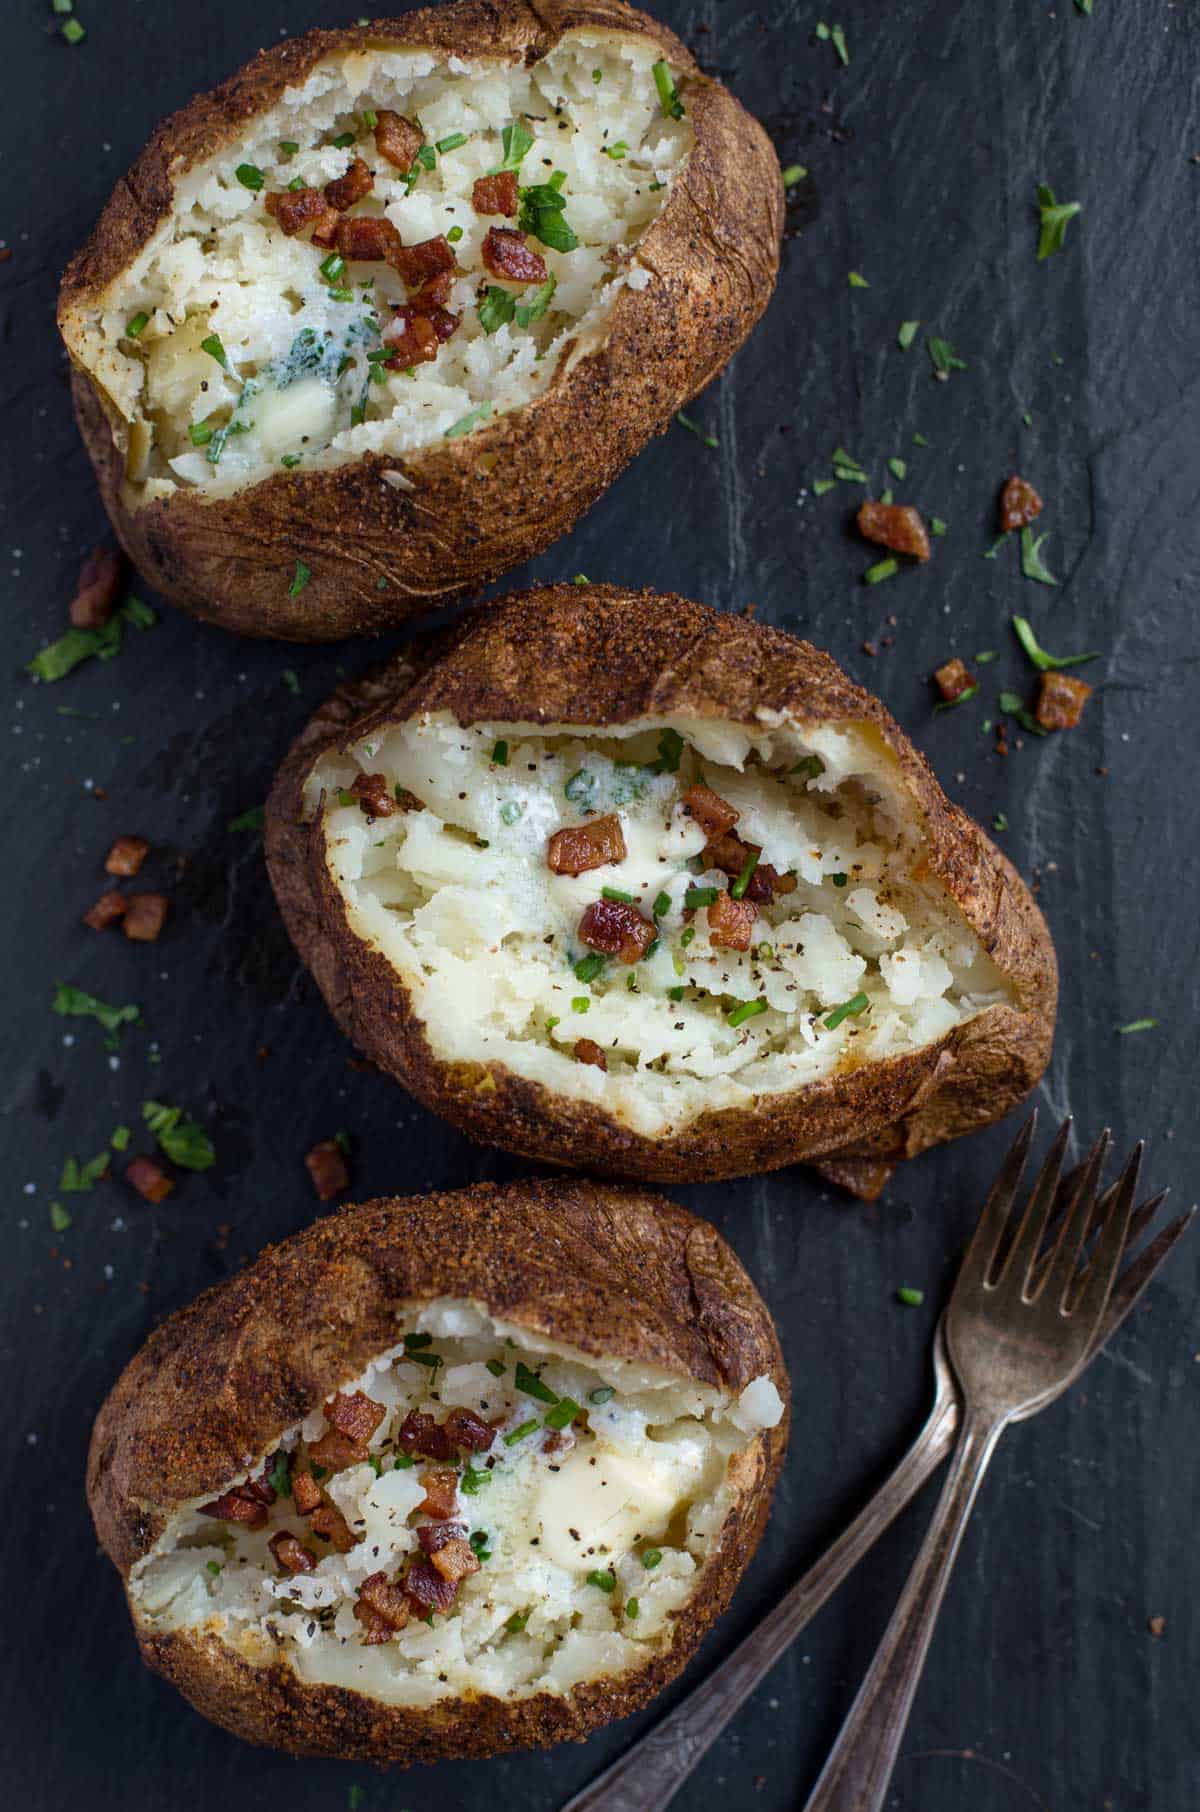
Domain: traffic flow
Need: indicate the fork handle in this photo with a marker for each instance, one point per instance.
(855, 1777)
(652, 1770)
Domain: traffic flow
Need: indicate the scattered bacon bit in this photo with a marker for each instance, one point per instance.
(440, 1498)
(335, 1451)
(426, 1590)
(294, 209)
(416, 264)
(328, 1522)
(506, 254)
(145, 916)
(953, 678)
(713, 814)
(1060, 701)
(397, 139)
(374, 795)
(126, 856)
(356, 181)
(367, 239)
(412, 338)
(1019, 505)
(148, 1177)
(421, 1434)
(108, 908)
(1157, 1626)
(433, 1536)
(326, 1165)
(290, 1554)
(241, 1505)
(432, 297)
(455, 1560)
(381, 1606)
(895, 525)
(444, 324)
(98, 588)
(408, 802)
(357, 1416)
(588, 1051)
(731, 922)
(731, 855)
(463, 1428)
(584, 846)
(325, 233)
(496, 194)
(617, 928)
(306, 1493)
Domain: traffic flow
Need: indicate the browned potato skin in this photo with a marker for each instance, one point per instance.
(612, 1271)
(598, 655)
(483, 503)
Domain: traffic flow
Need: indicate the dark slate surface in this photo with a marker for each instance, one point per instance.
(1045, 1688)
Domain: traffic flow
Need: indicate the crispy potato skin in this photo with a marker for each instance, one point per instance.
(598, 656)
(610, 1270)
(485, 502)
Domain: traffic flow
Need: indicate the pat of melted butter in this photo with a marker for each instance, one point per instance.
(599, 1503)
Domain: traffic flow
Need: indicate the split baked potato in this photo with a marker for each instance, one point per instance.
(377, 319)
(445, 1476)
(614, 881)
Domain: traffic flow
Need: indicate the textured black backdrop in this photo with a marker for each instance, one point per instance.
(1045, 1687)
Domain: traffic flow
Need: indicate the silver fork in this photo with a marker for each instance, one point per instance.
(651, 1771)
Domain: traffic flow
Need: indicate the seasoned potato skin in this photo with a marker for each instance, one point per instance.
(612, 1271)
(598, 656)
(483, 503)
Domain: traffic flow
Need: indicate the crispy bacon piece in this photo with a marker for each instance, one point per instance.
(328, 1522)
(463, 1428)
(306, 1493)
(441, 1493)
(895, 525)
(1019, 505)
(433, 1536)
(291, 1556)
(244, 1504)
(381, 1606)
(579, 847)
(1060, 701)
(357, 1415)
(731, 855)
(426, 1590)
(455, 1560)
(713, 814)
(108, 908)
(295, 209)
(421, 1434)
(432, 296)
(97, 589)
(396, 138)
(588, 1051)
(148, 1177)
(145, 915)
(374, 795)
(953, 678)
(496, 194)
(326, 1165)
(335, 1451)
(126, 856)
(325, 233)
(412, 338)
(367, 240)
(731, 922)
(355, 182)
(617, 928)
(416, 264)
(506, 255)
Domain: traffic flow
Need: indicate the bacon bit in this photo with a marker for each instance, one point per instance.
(147, 1176)
(617, 928)
(357, 1416)
(455, 1560)
(374, 796)
(731, 922)
(588, 1051)
(463, 1428)
(98, 588)
(416, 264)
(433, 1536)
(731, 855)
(426, 1590)
(381, 1606)
(444, 324)
(290, 1555)
(126, 856)
(331, 1525)
(408, 802)
(351, 186)
(367, 240)
(325, 233)
(1060, 701)
(713, 814)
(580, 847)
(108, 908)
(496, 194)
(145, 916)
(953, 678)
(335, 1451)
(506, 254)
(326, 1165)
(895, 525)
(413, 340)
(295, 209)
(241, 1505)
(421, 1434)
(432, 296)
(440, 1498)
(397, 139)
(1019, 505)
(306, 1493)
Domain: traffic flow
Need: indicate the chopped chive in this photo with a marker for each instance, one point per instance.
(849, 1009)
(937, 526)
(739, 887)
(250, 176)
(618, 894)
(497, 1367)
(793, 174)
(748, 1009)
(451, 143)
(300, 579)
(689, 932)
(1055, 217)
(839, 880)
(531, 1385)
(685, 421)
(331, 268)
(342, 140)
(603, 1393)
(454, 235)
(465, 423)
(430, 1361)
(580, 1003)
(811, 766)
(897, 468)
(907, 334)
(911, 1298)
(696, 897)
(856, 280)
(669, 100)
(632, 1608)
(137, 324)
(1000, 821)
(415, 1343)
(518, 1434)
(670, 748)
(1045, 663)
(199, 433)
(948, 704)
(1032, 564)
(588, 967)
(821, 485)
(675, 993)
(651, 1558)
(215, 350)
(662, 904)
(563, 1413)
(882, 569)
(516, 1623)
(1137, 1025)
(604, 1582)
(500, 753)
(72, 31)
(288, 149)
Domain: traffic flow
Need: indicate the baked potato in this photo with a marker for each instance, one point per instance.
(614, 881)
(445, 1476)
(377, 319)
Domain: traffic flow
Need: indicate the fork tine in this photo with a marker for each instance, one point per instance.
(978, 1258)
(1140, 1220)
(1109, 1250)
(1133, 1280)
(1022, 1257)
(1068, 1247)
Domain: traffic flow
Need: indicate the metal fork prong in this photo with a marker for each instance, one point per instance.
(1105, 1259)
(1079, 1218)
(1133, 1280)
(1021, 1262)
(980, 1254)
(1139, 1221)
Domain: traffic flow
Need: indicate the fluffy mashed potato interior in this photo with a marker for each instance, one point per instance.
(854, 958)
(591, 1517)
(298, 378)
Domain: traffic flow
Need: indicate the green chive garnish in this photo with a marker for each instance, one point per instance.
(849, 1009)
(749, 1009)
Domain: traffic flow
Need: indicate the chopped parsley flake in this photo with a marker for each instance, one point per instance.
(300, 579)
(181, 1140)
(948, 704)
(1055, 217)
(465, 423)
(60, 1220)
(897, 468)
(793, 174)
(911, 1299)
(73, 1003)
(907, 334)
(1014, 705)
(1032, 564)
(59, 658)
(944, 358)
(250, 176)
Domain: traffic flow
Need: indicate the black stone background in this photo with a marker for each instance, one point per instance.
(1044, 1687)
